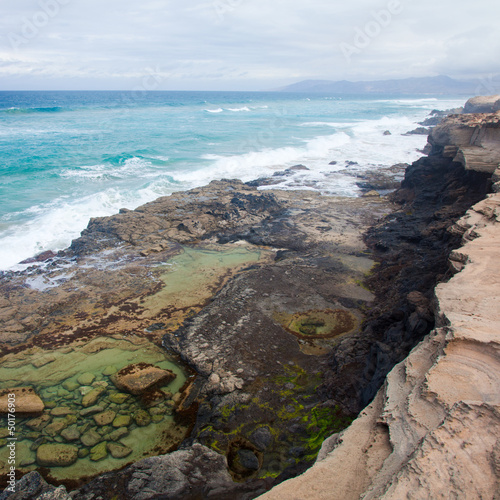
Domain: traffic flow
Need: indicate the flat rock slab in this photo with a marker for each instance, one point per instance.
(24, 399)
(141, 377)
(56, 455)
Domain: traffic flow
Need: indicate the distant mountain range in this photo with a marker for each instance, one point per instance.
(426, 85)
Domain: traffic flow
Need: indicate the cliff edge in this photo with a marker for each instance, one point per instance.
(433, 430)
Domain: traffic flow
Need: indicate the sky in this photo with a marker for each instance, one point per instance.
(241, 44)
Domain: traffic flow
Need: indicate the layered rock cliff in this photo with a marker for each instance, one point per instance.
(433, 429)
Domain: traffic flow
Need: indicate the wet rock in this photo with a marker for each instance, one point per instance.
(118, 450)
(40, 361)
(141, 377)
(118, 434)
(90, 438)
(248, 459)
(56, 455)
(61, 411)
(109, 370)
(262, 438)
(99, 452)
(86, 378)
(157, 418)
(55, 428)
(119, 398)
(91, 410)
(37, 424)
(70, 385)
(26, 400)
(122, 421)
(91, 397)
(104, 418)
(142, 418)
(372, 194)
(387, 132)
(83, 452)
(71, 433)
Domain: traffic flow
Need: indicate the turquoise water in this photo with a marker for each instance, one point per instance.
(69, 156)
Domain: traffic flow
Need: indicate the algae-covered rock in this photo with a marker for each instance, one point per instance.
(157, 418)
(118, 397)
(104, 418)
(141, 377)
(142, 418)
(22, 399)
(83, 452)
(56, 455)
(91, 397)
(99, 452)
(86, 378)
(90, 438)
(118, 434)
(109, 370)
(70, 385)
(122, 421)
(118, 450)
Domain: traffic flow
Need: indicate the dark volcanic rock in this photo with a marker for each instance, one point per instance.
(412, 247)
(188, 474)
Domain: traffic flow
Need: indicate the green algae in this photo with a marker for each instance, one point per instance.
(292, 413)
(67, 366)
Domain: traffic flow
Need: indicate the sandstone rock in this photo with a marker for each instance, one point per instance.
(99, 452)
(56, 455)
(483, 104)
(70, 433)
(371, 194)
(25, 401)
(118, 434)
(91, 397)
(118, 450)
(40, 361)
(141, 377)
(90, 438)
(91, 410)
(104, 418)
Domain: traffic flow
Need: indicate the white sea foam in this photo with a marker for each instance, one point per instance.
(218, 110)
(245, 108)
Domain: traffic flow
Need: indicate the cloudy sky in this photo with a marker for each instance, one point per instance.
(241, 44)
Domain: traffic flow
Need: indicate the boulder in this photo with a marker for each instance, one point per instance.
(119, 450)
(99, 452)
(37, 424)
(142, 418)
(122, 421)
(86, 378)
(105, 418)
(141, 377)
(483, 104)
(55, 428)
(24, 400)
(70, 433)
(56, 455)
(91, 397)
(90, 438)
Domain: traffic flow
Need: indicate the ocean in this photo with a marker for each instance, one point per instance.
(68, 156)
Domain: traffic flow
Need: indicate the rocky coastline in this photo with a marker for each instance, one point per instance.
(289, 313)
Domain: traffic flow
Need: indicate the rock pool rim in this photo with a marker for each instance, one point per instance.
(339, 328)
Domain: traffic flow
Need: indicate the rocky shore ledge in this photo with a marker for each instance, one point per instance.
(259, 323)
